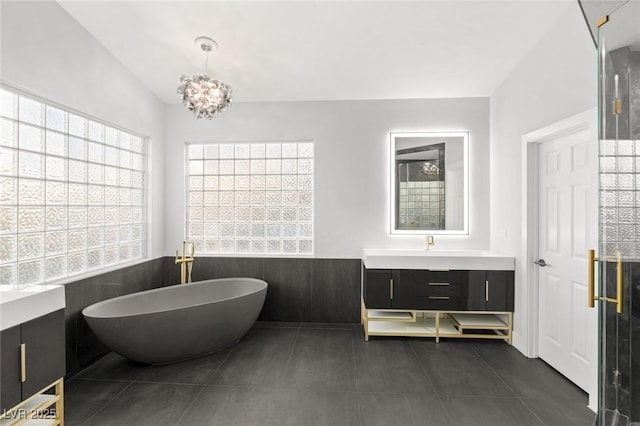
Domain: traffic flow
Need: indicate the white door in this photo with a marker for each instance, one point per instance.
(567, 219)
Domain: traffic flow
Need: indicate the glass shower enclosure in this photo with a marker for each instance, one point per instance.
(616, 269)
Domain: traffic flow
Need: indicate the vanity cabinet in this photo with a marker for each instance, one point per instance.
(32, 368)
(438, 303)
(438, 290)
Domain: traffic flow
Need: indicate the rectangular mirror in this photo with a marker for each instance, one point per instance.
(429, 183)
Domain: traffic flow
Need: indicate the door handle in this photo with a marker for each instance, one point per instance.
(541, 262)
(591, 259)
(391, 289)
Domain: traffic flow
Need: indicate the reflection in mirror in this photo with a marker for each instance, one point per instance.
(429, 189)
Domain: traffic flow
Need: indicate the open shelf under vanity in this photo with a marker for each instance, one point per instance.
(437, 324)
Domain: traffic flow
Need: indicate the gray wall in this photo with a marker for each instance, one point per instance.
(309, 290)
(556, 80)
(45, 52)
(352, 163)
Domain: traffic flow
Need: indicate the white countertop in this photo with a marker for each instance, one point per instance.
(18, 305)
(436, 259)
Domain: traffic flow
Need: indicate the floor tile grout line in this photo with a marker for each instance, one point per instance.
(293, 345)
(109, 402)
(531, 411)
(355, 367)
(474, 348)
(355, 372)
(493, 370)
(214, 373)
(190, 404)
(156, 382)
(92, 379)
(446, 412)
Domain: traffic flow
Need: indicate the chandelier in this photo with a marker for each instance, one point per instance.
(201, 93)
(430, 168)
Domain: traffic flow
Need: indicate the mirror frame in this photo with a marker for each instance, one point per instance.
(392, 175)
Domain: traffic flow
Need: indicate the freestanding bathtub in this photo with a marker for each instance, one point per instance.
(178, 322)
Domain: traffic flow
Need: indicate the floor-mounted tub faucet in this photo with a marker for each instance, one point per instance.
(185, 261)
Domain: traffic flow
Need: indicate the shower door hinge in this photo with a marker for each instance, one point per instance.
(616, 378)
(603, 20)
(617, 106)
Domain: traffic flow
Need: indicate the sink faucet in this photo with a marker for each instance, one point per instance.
(185, 261)
(429, 241)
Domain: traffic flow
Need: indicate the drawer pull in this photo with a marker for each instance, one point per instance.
(439, 297)
(23, 362)
(439, 284)
(391, 289)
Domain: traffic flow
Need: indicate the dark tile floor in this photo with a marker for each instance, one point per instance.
(326, 374)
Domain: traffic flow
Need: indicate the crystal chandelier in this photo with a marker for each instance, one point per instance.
(201, 93)
(430, 168)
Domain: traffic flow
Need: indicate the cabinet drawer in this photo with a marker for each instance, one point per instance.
(438, 290)
(441, 289)
(441, 303)
(436, 280)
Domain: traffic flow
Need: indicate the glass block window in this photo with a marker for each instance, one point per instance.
(619, 222)
(421, 205)
(250, 198)
(72, 192)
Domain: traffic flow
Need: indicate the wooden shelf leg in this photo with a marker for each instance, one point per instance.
(365, 322)
(59, 390)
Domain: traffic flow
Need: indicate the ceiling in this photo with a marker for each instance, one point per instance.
(323, 50)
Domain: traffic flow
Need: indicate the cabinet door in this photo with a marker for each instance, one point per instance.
(477, 291)
(404, 291)
(490, 291)
(45, 351)
(377, 288)
(500, 291)
(10, 387)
